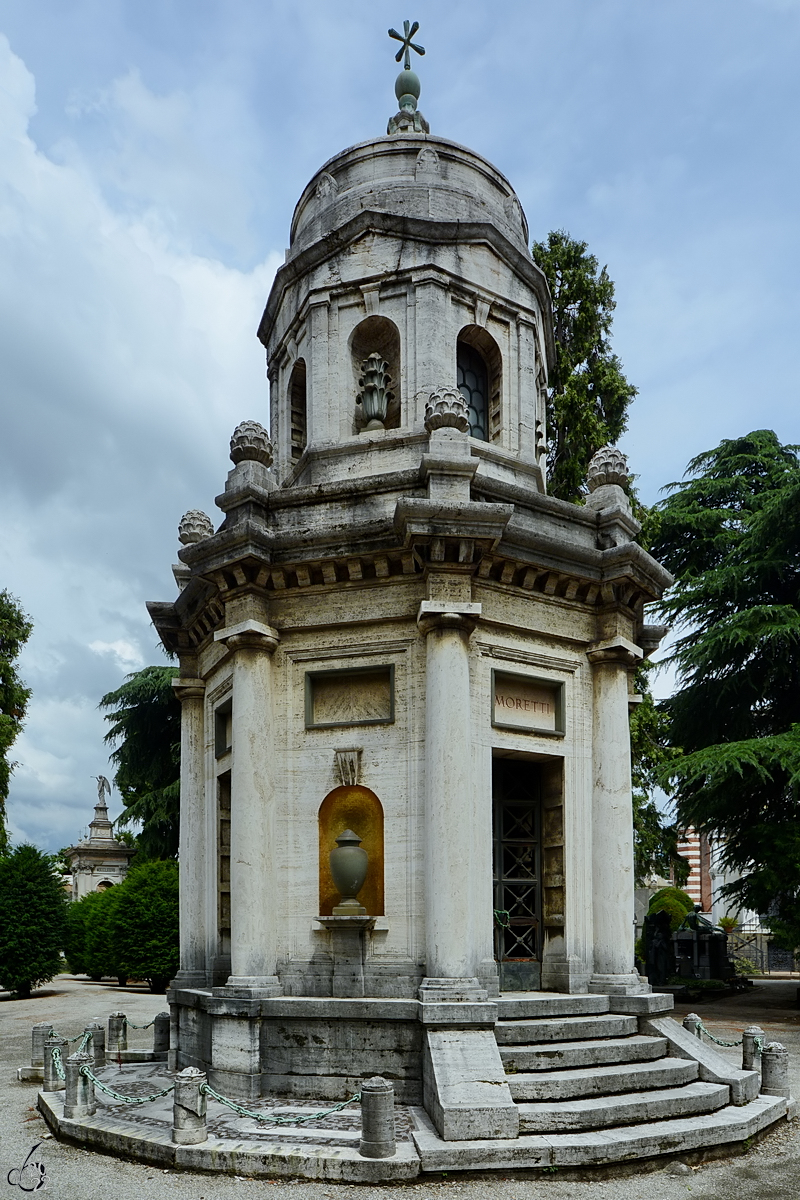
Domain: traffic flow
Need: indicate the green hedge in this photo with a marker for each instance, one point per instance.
(130, 930)
(32, 920)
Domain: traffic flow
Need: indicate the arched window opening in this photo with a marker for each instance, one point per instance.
(377, 336)
(357, 808)
(104, 885)
(479, 379)
(298, 415)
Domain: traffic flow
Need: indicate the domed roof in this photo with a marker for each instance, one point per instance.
(414, 175)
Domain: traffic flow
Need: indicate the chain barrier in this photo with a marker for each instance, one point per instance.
(719, 1041)
(87, 1037)
(134, 1026)
(292, 1119)
(57, 1062)
(98, 1083)
(759, 1043)
(77, 1037)
(503, 917)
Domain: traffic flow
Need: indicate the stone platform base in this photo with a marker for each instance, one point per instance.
(235, 1145)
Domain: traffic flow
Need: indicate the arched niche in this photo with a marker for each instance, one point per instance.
(381, 336)
(298, 412)
(479, 377)
(357, 808)
(104, 885)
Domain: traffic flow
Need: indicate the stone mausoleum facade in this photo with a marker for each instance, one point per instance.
(396, 631)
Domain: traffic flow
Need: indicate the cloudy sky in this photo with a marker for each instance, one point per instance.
(151, 152)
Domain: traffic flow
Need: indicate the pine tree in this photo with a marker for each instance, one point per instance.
(589, 394)
(730, 533)
(32, 920)
(655, 840)
(145, 719)
(15, 629)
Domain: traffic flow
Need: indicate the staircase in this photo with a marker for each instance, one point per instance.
(592, 1088)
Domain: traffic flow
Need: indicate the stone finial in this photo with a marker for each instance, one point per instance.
(608, 465)
(250, 443)
(194, 526)
(446, 409)
(374, 395)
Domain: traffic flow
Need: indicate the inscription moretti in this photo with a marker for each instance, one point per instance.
(528, 704)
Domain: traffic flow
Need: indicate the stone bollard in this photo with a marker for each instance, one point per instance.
(775, 1070)
(117, 1033)
(52, 1083)
(79, 1098)
(38, 1034)
(161, 1033)
(97, 1046)
(377, 1119)
(692, 1022)
(189, 1108)
(749, 1051)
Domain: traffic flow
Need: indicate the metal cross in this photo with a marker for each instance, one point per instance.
(408, 32)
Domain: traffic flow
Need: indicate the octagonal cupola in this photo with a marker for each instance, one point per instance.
(408, 271)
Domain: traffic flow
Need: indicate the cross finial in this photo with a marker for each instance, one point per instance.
(405, 37)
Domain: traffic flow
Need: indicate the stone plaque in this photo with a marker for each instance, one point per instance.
(525, 703)
(359, 697)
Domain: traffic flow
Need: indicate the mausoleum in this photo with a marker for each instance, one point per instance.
(397, 647)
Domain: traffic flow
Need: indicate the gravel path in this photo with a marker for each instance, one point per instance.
(769, 1171)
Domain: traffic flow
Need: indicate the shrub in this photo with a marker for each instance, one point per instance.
(32, 920)
(673, 893)
(677, 913)
(143, 924)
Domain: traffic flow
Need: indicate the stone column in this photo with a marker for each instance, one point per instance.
(192, 859)
(254, 889)
(612, 821)
(457, 856)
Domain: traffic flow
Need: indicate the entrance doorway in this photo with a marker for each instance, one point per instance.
(516, 806)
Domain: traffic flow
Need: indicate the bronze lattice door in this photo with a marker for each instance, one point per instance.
(517, 874)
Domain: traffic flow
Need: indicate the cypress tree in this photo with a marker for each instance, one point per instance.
(32, 920)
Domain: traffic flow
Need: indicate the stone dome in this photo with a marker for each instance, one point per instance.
(413, 175)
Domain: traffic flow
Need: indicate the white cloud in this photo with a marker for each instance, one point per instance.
(127, 362)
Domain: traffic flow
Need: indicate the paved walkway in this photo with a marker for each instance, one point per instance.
(769, 1171)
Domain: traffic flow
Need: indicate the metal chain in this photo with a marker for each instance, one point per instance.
(133, 1026)
(719, 1041)
(77, 1037)
(759, 1043)
(293, 1119)
(89, 1073)
(55, 1051)
(87, 1037)
(503, 917)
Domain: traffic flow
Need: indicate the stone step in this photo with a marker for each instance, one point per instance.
(520, 1006)
(603, 1081)
(629, 1108)
(563, 1029)
(622, 1143)
(563, 1055)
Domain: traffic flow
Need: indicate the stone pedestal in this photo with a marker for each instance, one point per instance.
(612, 822)
(348, 950)
(192, 901)
(253, 801)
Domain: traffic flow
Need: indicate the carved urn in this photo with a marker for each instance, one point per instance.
(349, 870)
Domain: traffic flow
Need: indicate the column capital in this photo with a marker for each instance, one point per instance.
(617, 650)
(189, 689)
(439, 614)
(249, 635)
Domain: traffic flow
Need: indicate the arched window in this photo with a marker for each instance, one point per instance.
(297, 409)
(378, 335)
(479, 379)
